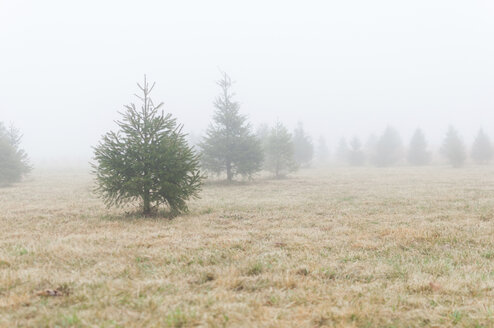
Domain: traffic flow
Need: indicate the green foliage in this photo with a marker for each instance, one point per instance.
(453, 148)
(14, 163)
(303, 147)
(148, 159)
(388, 150)
(229, 145)
(417, 152)
(482, 148)
(279, 151)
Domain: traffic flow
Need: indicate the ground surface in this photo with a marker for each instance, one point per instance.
(337, 247)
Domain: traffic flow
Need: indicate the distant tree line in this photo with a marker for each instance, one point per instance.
(389, 150)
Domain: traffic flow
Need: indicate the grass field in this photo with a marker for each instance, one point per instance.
(401, 247)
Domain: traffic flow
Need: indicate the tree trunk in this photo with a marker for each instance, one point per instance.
(146, 203)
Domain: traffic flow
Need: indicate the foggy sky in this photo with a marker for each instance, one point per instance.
(342, 67)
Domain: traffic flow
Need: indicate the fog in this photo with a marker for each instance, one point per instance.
(343, 68)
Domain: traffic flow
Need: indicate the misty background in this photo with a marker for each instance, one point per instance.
(343, 68)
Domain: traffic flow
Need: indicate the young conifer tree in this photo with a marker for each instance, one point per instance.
(148, 160)
(453, 148)
(388, 150)
(229, 145)
(14, 163)
(417, 151)
(279, 151)
(482, 150)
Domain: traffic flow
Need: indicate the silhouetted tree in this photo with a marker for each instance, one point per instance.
(417, 152)
(453, 148)
(355, 156)
(389, 149)
(482, 148)
(147, 159)
(303, 148)
(14, 163)
(229, 145)
(342, 151)
(279, 151)
(322, 150)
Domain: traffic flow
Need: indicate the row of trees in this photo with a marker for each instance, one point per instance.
(150, 160)
(388, 149)
(231, 147)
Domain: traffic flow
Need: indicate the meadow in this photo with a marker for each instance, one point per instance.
(334, 247)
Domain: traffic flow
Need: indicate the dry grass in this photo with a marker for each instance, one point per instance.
(342, 247)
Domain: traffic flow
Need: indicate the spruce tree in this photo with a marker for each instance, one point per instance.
(453, 148)
(482, 148)
(303, 147)
(14, 163)
(229, 145)
(279, 151)
(355, 156)
(148, 160)
(388, 150)
(417, 151)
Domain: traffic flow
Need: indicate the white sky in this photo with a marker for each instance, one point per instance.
(342, 67)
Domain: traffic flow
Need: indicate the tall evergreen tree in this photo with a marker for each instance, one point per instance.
(356, 156)
(389, 148)
(453, 148)
(229, 145)
(482, 148)
(417, 152)
(14, 163)
(147, 160)
(303, 147)
(322, 150)
(279, 151)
